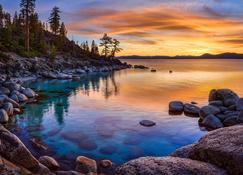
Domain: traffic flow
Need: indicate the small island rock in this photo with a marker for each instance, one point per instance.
(147, 123)
(176, 107)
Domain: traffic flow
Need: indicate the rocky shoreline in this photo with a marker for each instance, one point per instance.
(18, 67)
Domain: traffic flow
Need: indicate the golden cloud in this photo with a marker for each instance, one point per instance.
(161, 30)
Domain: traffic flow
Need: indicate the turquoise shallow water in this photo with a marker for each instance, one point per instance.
(99, 115)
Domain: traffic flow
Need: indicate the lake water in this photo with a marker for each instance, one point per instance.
(99, 115)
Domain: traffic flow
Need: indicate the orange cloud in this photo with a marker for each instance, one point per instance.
(161, 30)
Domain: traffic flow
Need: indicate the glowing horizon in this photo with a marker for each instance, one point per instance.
(158, 27)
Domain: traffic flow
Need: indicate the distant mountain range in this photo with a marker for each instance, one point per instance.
(204, 56)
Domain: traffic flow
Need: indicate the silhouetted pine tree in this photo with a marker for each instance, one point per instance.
(54, 20)
(106, 43)
(115, 47)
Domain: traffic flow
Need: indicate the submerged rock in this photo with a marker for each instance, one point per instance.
(147, 123)
(167, 165)
(85, 165)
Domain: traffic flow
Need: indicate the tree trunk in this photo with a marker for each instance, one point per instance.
(27, 35)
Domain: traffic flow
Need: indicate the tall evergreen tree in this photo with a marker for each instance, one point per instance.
(116, 47)
(27, 9)
(54, 20)
(106, 43)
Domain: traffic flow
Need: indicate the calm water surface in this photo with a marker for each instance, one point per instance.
(99, 115)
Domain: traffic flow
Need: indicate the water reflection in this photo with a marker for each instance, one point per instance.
(55, 94)
(99, 115)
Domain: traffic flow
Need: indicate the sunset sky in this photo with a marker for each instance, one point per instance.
(152, 27)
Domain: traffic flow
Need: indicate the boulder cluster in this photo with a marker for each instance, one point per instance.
(220, 152)
(12, 94)
(225, 109)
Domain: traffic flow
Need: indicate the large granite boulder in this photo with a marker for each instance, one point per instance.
(227, 96)
(167, 166)
(222, 147)
(15, 151)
